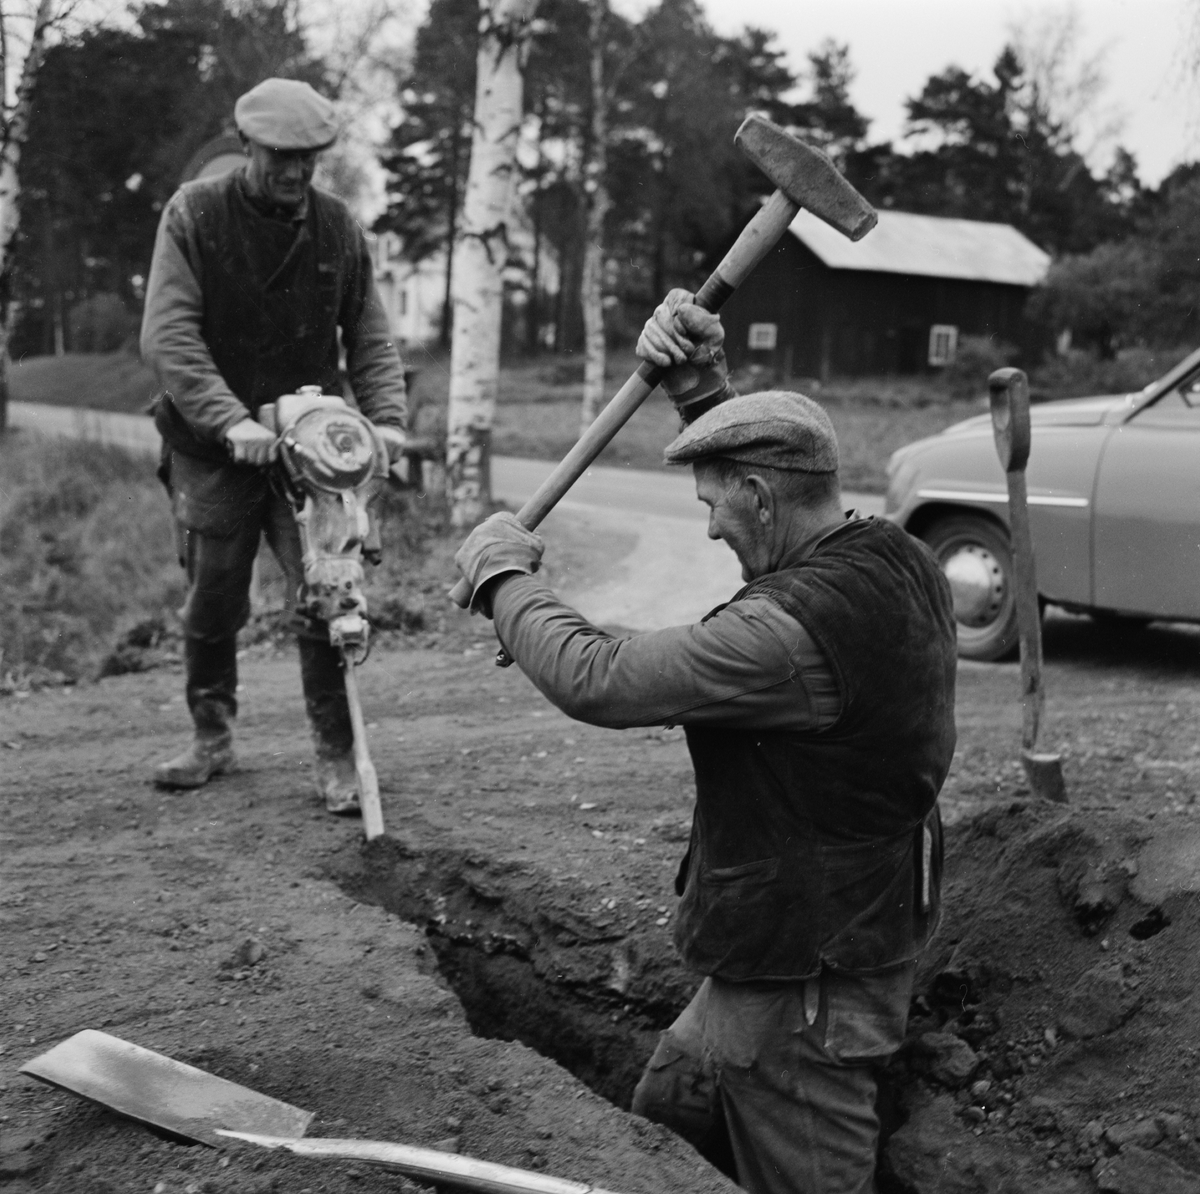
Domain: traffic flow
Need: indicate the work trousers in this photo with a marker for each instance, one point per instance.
(781, 1077)
(219, 570)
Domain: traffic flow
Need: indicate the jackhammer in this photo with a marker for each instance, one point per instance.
(332, 463)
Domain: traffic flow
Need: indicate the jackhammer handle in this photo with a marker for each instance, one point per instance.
(757, 239)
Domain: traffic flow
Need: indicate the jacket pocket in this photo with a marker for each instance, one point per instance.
(762, 870)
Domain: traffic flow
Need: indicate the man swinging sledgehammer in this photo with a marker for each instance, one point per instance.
(818, 705)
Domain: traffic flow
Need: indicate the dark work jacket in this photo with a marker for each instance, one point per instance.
(275, 294)
(824, 847)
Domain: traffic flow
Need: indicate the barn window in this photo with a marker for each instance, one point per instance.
(943, 341)
(763, 335)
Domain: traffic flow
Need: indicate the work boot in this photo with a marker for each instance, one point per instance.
(337, 782)
(212, 701)
(209, 754)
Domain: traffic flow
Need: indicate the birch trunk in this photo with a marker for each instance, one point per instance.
(16, 129)
(482, 246)
(591, 291)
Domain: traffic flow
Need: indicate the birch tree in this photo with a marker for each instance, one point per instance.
(477, 285)
(596, 191)
(14, 128)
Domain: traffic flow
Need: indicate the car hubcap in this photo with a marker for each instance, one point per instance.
(977, 582)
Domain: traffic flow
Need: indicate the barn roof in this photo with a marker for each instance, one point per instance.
(931, 246)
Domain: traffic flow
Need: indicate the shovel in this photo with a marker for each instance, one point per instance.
(160, 1092)
(1009, 395)
(197, 1107)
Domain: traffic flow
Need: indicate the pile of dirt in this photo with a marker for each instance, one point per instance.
(1052, 1047)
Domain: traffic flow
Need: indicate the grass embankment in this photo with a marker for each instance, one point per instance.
(90, 581)
(99, 380)
(539, 401)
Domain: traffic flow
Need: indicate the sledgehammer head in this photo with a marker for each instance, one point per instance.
(806, 176)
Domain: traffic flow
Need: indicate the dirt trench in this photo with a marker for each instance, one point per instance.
(530, 969)
(1048, 1042)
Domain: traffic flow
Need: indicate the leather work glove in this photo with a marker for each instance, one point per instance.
(251, 443)
(497, 546)
(689, 343)
(394, 440)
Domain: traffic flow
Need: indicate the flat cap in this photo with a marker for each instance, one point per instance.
(775, 428)
(286, 114)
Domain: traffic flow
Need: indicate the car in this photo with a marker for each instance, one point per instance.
(1114, 509)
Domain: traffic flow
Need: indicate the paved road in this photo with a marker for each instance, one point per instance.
(649, 562)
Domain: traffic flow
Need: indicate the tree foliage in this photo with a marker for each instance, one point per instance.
(117, 115)
(1143, 289)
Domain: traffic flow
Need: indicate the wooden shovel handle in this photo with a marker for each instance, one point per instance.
(1009, 395)
(757, 239)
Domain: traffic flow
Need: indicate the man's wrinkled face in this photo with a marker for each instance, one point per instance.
(735, 515)
(281, 176)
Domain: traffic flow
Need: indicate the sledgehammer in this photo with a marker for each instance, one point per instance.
(1009, 391)
(806, 178)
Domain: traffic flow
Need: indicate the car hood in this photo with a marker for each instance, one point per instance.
(1067, 412)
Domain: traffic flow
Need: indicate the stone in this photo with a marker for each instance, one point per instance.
(935, 1151)
(1098, 1003)
(1176, 1126)
(1137, 1171)
(1145, 1133)
(948, 1059)
(249, 952)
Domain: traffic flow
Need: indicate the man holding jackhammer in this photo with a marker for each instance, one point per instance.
(819, 710)
(254, 276)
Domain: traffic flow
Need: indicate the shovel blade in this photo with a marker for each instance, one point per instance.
(160, 1092)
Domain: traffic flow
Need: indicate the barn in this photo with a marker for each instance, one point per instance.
(896, 301)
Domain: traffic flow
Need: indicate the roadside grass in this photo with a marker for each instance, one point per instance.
(87, 552)
(90, 583)
(99, 380)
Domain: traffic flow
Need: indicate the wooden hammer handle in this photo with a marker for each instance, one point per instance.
(757, 239)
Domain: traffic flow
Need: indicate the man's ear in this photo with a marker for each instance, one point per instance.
(764, 499)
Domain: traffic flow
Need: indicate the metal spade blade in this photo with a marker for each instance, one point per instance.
(161, 1092)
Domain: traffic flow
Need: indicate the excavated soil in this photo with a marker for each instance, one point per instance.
(491, 976)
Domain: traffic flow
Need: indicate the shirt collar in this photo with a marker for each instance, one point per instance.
(272, 211)
(801, 552)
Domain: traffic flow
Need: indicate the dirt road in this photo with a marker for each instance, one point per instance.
(523, 893)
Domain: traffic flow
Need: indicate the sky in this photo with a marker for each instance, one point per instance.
(895, 45)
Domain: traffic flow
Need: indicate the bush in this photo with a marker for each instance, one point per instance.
(1080, 374)
(100, 324)
(976, 359)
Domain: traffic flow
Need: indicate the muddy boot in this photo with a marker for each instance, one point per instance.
(208, 755)
(329, 717)
(211, 689)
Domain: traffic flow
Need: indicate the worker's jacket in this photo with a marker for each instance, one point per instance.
(819, 711)
(824, 846)
(243, 306)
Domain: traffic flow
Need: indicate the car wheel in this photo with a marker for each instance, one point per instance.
(976, 558)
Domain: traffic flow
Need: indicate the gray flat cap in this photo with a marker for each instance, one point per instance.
(286, 114)
(775, 428)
